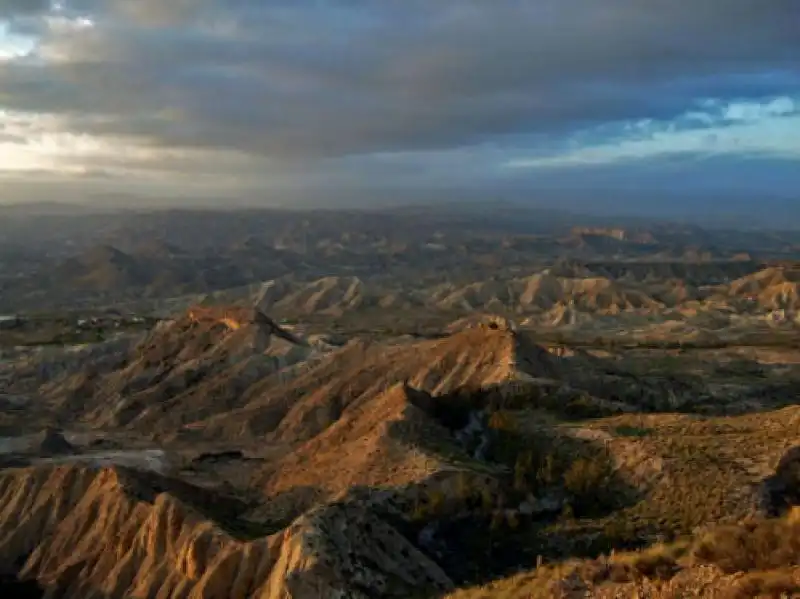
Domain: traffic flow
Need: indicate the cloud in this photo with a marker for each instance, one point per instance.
(749, 112)
(766, 129)
(309, 85)
(14, 8)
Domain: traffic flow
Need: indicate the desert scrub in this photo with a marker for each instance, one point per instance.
(589, 481)
(780, 583)
(751, 546)
(649, 565)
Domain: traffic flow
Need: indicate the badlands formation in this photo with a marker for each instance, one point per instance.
(222, 455)
(596, 412)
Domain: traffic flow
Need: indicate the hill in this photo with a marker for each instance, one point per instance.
(660, 290)
(118, 533)
(196, 365)
(772, 288)
(156, 269)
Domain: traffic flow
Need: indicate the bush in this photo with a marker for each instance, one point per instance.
(656, 566)
(772, 584)
(588, 480)
(756, 545)
(653, 565)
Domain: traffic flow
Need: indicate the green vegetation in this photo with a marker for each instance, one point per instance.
(626, 430)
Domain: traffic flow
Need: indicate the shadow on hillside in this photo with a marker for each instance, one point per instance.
(13, 588)
(528, 496)
(769, 396)
(227, 511)
(781, 490)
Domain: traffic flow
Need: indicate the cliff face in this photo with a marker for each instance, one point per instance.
(114, 533)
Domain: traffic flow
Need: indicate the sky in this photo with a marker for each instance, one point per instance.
(276, 99)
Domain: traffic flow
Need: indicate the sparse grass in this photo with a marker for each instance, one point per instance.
(710, 468)
(762, 554)
(657, 562)
(779, 583)
(755, 545)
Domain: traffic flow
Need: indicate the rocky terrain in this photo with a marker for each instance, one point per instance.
(63, 261)
(591, 411)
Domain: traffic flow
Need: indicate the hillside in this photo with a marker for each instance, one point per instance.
(773, 288)
(242, 366)
(156, 269)
(590, 290)
(115, 532)
(184, 369)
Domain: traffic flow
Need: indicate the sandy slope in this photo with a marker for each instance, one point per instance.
(119, 533)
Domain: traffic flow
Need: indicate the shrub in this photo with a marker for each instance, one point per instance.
(755, 545)
(587, 480)
(502, 420)
(522, 467)
(772, 584)
(655, 566)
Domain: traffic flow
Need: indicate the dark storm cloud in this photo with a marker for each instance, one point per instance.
(326, 78)
(12, 8)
